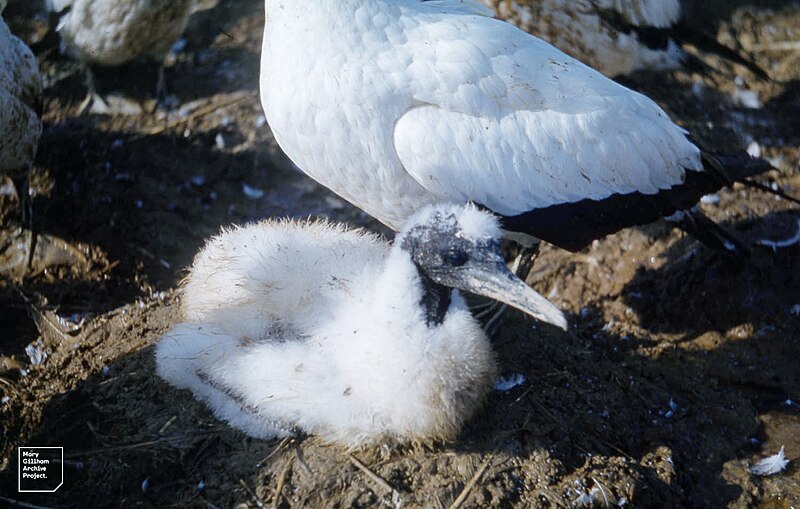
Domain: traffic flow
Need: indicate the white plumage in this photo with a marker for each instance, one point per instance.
(578, 27)
(333, 331)
(20, 92)
(114, 32)
(398, 104)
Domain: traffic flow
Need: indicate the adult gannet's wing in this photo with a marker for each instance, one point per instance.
(506, 120)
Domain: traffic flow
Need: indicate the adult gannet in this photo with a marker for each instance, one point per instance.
(584, 29)
(114, 32)
(398, 104)
(333, 331)
(617, 36)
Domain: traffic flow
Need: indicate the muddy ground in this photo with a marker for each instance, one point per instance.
(680, 372)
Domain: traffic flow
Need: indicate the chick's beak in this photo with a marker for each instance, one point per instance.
(492, 278)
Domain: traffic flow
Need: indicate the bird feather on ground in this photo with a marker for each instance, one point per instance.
(335, 332)
(771, 465)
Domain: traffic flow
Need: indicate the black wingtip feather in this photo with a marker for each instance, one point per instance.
(573, 226)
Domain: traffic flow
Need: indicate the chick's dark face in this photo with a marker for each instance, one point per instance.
(449, 260)
(444, 254)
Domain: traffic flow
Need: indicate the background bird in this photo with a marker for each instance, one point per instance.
(618, 37)
(396, 105)
(579, 29)
(335, 332)
(114, 32)
(20, 109)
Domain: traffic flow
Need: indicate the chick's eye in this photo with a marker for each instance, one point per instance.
(455, 258)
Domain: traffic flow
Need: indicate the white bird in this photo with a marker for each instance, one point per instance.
(579, 28)
(110, 33)
(617, 36)
(20, 125)
(398, 104)
(335, 332)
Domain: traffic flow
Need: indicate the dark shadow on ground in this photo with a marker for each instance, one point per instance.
(697, 290)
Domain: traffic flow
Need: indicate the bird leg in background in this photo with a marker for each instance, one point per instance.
(22, 187)
(93, 100)
(521, 267)
(161, 87)
(696, 224)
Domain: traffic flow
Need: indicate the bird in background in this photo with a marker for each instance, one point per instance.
(111, 33)
(311, 326)
(579, 29)
(618, 37)
(395, 105)
(20, 122)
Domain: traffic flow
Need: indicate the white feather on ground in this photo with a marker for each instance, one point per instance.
(314, 326)
(770, 465)
(20, 90)
(575, 27)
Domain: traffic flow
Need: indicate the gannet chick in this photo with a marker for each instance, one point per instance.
(110, 33)
(20, 105)
(332, 331)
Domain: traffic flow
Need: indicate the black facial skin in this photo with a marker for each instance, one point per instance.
(442, 259)
(445, 259)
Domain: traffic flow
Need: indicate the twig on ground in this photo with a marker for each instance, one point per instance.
(303, 465)
(279, 487)
(252, 494)
(380, 481)
(167, 424)
(777, 46)
(471, 484)
(276, 450)
(149, 443)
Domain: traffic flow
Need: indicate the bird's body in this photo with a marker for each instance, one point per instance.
(396, 105)
(115, 32)
(20, 95)
(312, 326)
(585, 29)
